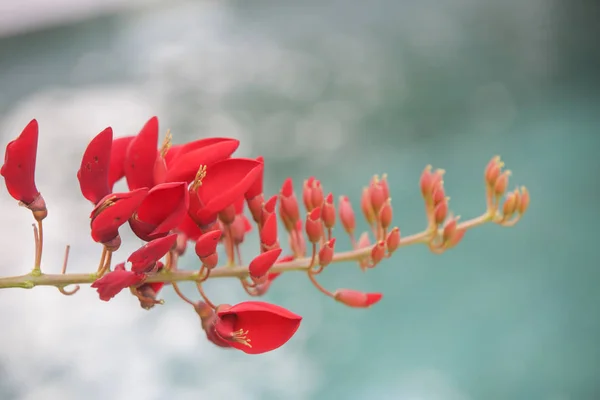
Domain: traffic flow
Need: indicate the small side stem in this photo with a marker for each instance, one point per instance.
(181, 295)
(39, 246)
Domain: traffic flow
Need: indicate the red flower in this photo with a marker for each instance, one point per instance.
(356, 299)
(261, 264)
(19, 165)
(182, 167)
(256, 327)
(118, 152)
(112, 283)
(163, 209)
(140, 156)
(112, 212)
(146, 257)
(95, 164)
(219, 186)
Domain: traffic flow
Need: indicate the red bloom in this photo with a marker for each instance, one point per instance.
(256, 327)
(188, 158)
(356, 299)
(219, 186)
(118, 152)
(95, 164)
(189, 228)
(163, 209)
(112, 283)
(261, 264)
(140, 156)
(19, 165)
(112, 212)
(146, 257)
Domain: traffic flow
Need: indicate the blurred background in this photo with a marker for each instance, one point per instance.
(340, 90)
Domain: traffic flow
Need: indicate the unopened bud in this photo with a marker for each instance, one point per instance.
(314, 226)
(255, 207)
(492, 171)
(356, 299)
(210, 261)
(207, 243)
(261, 264)
(268, 208)
(384, 186)
(439, 194)
(268, 232)
(378, 252)
(366, 206)
(347, 215)
(317, 196)
(326, 253)
(441, 212)
(456, 237)
(288, 205)
(181, 244)
(328, 212)
(386, 214)
(425, 181)
(510, 204)
(524, 203)
(377, 196)
(393, 240)
(307, 194)
(501, 183)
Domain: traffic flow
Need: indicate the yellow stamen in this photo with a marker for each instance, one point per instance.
(166, 145)
(201, 174)
(241, 336)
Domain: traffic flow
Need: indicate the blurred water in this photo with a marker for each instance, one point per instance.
(340, 90)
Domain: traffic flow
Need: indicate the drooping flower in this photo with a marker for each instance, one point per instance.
(95, 165)
(113, 282)
(19, 170)
(112, 212)
(163, 209)
(140, 156)
(256, 327)
(219, 186)
(146, 257)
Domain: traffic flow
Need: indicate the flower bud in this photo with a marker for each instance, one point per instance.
(425, 181)
(510, 204)
(328, 212)
(261, 264)
(210, 261)
(268, 233)
(288, 205)
(384, 186)
(268, 208)
(524, 203)
(439, 194)
(386, 214)
(255, 207)
(207, 243)
(181, 244)
(501, 183)
(314, 226)
(441, 212)
(307, 194)
(492, 171)
(449, 229)
(393, 240)
(366, 206)
(456, 237)
(377, 253)
(347, 214)
(317, 196)
(326, 253)
(356, 299)
(376, 194)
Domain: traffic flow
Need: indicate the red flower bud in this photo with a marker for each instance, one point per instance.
(356, 299)
(268, 233)
(524, 203)
(140, 156)
(110, 284)
(256, 327)
(255, 206)
(19, 169)
(288, 205)
(326, 253)
(386, 214)
(439, 195)
(426, 181)
(207, 243)
(328, 212)
(366, 206)
(181, 244)
(268, 208)
(307, 194)
(316, 194)
(492, 171)
(449, 230)
(347, 215)
(144, 259)
(384, 186)
(393, 240)
(261, 264)
(501, 183)
(441, 212)
(314, 226)
(378, 252)
(376, 193)
(456, 237)
(210, 261)
(93, 173)
(510, 204)
(239, 228)
(116, 170)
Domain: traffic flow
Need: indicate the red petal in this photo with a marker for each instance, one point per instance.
(106, 219)
(269, 326)
(140, 156)
(207, 243)
(118, 152)
(262, 263)
(189, 228)
(207, 152)
(225, 182)
(356, 299)
(95, 164)
(144, 258)
(112, 283)
(257, 186)
(165, 207)
(238, 205)
(268, 233)
(19, 164)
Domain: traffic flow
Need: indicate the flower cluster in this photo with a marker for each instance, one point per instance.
(199, 193)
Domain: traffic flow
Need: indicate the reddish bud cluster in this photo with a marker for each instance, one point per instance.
(197, 193)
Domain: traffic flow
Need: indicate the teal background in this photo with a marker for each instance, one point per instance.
(344, 90)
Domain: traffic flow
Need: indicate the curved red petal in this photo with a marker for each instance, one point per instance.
(116, 171)
(112, 212)
(164, 207)
(113, 282)
(146, 256)
(262, 263)
(206, 244)
(19, 164)
(257, 186)
(186, 164)
(95, 164)
(140, 156)
(182, 149)
(224, 183)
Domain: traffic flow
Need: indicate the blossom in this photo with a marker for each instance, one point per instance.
(113, 282)
(146, 257)
(163, 209)
(116, 170)
(256, 327)
(95, 164)
(140, 156)
(19, 165)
